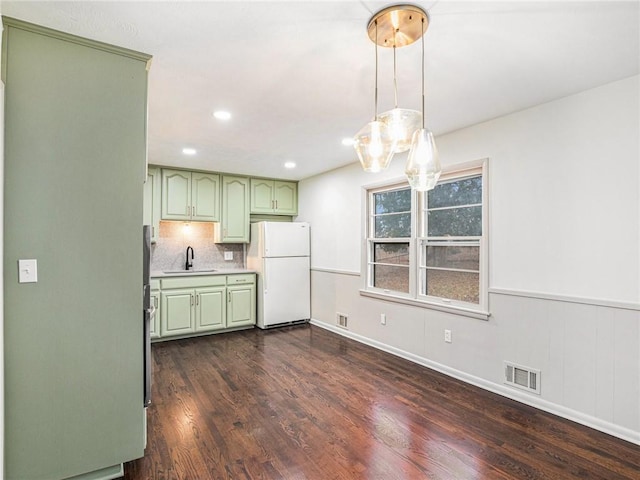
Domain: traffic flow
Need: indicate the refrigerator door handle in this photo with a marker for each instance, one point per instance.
(264, 276)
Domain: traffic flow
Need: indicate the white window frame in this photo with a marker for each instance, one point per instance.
(371, 241)
(418, 239)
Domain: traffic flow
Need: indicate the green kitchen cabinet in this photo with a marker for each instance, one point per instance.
(155, 321)
(190, 196)
(274, 197)
(211, 308)
(242, 305)
(198, 304)
(177, 312)
(152, 197)
(234, 222)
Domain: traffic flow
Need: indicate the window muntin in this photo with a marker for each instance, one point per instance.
(430, 247)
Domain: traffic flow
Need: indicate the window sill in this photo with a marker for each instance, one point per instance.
(467, 312)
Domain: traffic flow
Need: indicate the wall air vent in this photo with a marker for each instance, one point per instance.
(341, 319)
(525, 378)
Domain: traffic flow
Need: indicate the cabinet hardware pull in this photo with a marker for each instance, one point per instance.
(153, 231)
(276, 204)
(228, 296)
(191, 299)
(193, 211)
(197, 299)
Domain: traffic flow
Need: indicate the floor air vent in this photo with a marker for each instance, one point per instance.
(341, 320)
(521, 377)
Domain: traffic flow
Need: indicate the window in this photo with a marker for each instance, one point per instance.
(429, 248)
(390, 242)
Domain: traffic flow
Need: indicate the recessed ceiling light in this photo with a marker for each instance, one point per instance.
(189, 151)
(222, 115)
(347, 141)
(290, 165)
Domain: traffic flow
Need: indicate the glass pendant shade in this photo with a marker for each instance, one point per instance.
(402, 122)
(374, 145)
(423, 163)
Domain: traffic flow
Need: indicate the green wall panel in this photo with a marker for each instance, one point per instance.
(74, 172)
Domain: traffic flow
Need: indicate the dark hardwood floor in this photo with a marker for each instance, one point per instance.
(303, 403)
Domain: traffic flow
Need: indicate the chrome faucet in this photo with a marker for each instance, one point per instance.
(188, 265)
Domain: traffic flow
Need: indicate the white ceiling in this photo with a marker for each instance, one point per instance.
(298, 76)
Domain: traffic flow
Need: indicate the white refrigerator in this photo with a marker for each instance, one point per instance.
(279, 253)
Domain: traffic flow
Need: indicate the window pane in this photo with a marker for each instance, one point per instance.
(395, 201)
(391, 278)
(397, 253)
(462, 222)
(467, 191)
(461, 257)
(461, 286)
(396, 225)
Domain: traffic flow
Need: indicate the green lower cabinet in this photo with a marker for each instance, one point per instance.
(211, 308)
(177, 312)
(155, 321)
(242, 305)
(193, 305)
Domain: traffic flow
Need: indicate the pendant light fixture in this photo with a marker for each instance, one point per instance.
(423, 163)
(397, 26)
(374, 143)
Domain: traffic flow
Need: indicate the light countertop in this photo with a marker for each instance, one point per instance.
(190, 273)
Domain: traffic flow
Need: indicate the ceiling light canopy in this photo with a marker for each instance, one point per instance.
(399, 129)
(189, 151)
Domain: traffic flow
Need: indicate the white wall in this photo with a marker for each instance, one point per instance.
(564, 183)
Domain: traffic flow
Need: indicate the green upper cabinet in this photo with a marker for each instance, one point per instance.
(190, 196)
(176, 195)
(205, 197)
(274, 197)
(234, 226)
(152, 199)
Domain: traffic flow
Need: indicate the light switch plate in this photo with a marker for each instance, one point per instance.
(28, 271)
(228, 255)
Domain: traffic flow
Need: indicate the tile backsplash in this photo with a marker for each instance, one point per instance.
(169, 252)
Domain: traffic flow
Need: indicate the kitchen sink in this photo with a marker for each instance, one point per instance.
(194, 270)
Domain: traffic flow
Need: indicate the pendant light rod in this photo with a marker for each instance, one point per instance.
(422, 73)
(375, 116)
(395, 78)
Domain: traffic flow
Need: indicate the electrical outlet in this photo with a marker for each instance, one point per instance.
(228, 255)
(383, 319)
(447, 336)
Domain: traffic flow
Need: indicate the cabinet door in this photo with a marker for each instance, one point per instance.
(155, 301)
(235, 210)
(285, 198)
(176, 195)
(262, 196)
(205, 197)
(241, 305)
(152, 202)
(211, 308)
(177, 312)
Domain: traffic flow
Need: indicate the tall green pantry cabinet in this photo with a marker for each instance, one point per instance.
(75, 146)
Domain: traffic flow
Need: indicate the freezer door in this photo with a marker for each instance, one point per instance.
(285, 291)
(282, 239)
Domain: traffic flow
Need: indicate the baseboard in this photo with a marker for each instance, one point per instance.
(553, 408)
